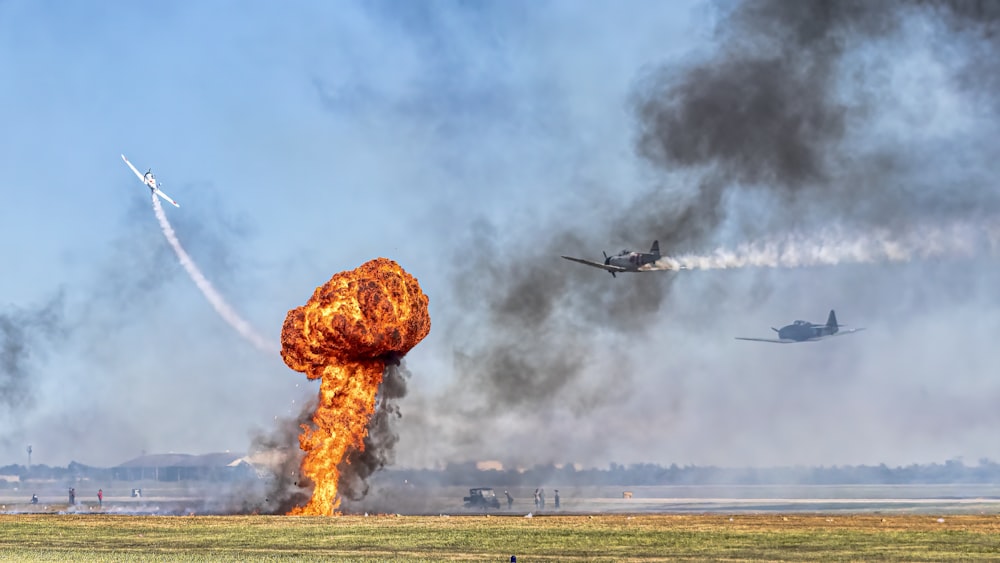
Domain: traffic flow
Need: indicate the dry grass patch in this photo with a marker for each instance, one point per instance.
(620, 537)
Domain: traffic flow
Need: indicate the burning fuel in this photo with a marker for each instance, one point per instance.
(350, 330)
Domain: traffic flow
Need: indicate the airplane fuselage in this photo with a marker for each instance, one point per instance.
(631, 261)
(624, 261)
(805, 331)
(801, 331)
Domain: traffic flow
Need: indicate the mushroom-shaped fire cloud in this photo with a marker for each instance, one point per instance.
(345, 335)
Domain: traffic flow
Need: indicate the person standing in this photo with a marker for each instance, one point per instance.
(510, 500)
(72, 496)
(557, 498)
(100, 498)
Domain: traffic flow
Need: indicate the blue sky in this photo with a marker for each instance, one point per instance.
(464, 140)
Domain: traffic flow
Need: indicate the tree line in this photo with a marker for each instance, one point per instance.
(648, 474)
(640, 474)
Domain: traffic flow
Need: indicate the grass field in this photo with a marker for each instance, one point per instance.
(620, 537)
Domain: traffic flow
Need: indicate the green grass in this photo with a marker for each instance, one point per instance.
(99, 537)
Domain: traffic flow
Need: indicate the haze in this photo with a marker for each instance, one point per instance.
(474, 144)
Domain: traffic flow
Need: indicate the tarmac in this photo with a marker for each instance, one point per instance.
(855, 499)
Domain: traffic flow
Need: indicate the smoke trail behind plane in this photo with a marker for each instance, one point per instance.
(207, 289)
(832, 246)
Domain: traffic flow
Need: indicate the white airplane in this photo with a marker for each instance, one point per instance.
(150, 181)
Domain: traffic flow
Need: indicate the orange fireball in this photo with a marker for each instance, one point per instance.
(344, 335)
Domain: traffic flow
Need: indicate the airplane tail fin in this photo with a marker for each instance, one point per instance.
(655, 249)
(831, 321)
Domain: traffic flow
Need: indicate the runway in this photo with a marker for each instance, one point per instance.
(171, 498)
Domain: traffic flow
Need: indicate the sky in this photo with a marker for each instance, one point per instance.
(475, 143)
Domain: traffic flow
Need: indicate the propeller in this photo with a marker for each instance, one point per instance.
(607, 260)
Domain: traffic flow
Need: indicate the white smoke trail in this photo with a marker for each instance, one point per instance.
(218, 303)
(835, 246)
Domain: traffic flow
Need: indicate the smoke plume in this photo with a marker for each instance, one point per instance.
(780, 147)
(214, 298)
(24, 335)
(278, 450)
(831, 246)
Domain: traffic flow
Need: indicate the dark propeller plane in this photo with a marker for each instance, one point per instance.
(804, 331)
(626, 260)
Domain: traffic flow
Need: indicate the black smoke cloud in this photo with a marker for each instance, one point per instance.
(25, 338)
(278, 449)
(781, 105)
(105, 325)
(767, 111)
(775, 111)
(531, 325)
(382, 437)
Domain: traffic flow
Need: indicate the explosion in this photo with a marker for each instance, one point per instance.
(345, 335)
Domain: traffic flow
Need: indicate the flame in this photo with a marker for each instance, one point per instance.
(344, 335)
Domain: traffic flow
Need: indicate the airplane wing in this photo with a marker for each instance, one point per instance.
(166, 197)
(600, 265)
(816, 339)
(137, 173)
